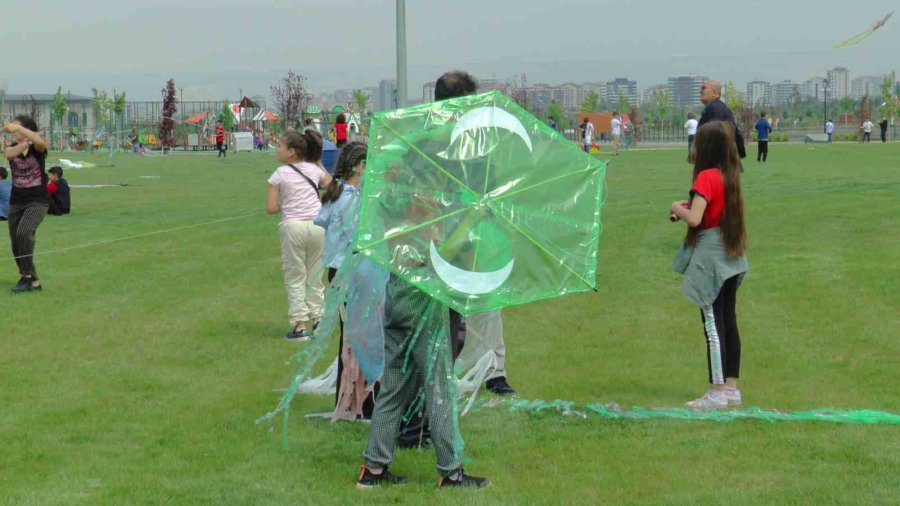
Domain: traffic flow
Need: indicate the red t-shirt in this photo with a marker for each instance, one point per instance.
(220, 134)
(340, 131)
(710, 185)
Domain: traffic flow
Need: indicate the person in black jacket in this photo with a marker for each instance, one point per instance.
(883, 124)
(60, 194)
(716, 110)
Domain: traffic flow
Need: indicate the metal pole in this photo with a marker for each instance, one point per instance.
(401, 54)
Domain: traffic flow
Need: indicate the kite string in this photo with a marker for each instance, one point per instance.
(137, 236)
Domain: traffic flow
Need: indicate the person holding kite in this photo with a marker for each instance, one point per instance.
(712, 257)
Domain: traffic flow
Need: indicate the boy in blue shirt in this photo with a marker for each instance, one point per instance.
(762, 134)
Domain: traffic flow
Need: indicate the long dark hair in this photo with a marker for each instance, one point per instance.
(341, 118)
(308, 144)
(715, 148)
(351, 155)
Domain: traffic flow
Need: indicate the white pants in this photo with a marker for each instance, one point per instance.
(301, 261)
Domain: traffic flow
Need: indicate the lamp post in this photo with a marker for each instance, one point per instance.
(825, 117)
(401, 54)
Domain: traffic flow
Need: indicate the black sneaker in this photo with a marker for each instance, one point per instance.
(297, 336)
(369, 480)
(499, 386)
(464, 480)
(27, 285)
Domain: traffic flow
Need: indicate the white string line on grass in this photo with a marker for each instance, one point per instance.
(138, 236)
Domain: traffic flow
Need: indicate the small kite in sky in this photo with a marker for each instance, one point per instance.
(856, 39)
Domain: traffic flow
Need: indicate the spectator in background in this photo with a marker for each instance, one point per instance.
(763, 128)
(883, 124)
(829, 129)
(340, 130)
(615, 127)
(135, 142)
(867, 131)
(220, 139)
(587, 131)
(716, 110)
(5, 190)
(551, 122)
(690, 126)
(60, 194)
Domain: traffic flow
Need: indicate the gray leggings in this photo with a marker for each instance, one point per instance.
(23, 223)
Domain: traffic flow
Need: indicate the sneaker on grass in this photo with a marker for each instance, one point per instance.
(461, 479)
(368, 479)
(712, 399)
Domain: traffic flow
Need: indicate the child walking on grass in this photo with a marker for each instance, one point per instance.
(712, 258)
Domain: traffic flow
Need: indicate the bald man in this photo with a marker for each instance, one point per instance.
(716, 110)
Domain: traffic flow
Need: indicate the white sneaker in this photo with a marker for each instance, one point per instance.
(712, 399)
(733, 396)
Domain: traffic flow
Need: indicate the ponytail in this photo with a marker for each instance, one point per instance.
(351, 156)
(307, 145)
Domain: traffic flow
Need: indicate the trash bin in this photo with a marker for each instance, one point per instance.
(329, 155)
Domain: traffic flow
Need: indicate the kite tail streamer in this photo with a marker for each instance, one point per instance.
(612, 411)
(312, 353)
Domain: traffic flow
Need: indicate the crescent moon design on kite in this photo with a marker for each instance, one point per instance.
(469, 282)
(486, 117)
(859, 37)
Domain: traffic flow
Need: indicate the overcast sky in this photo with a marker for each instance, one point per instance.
(214, 48)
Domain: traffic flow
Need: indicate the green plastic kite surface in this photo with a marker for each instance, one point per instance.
(479, 204)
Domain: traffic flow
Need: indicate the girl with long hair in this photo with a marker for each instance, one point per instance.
(712, 258)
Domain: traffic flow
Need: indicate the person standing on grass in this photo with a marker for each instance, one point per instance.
(690, 127)
(220, 140)
(135, 141)
(615, 126)
(712, 257)
(411, 319)
(5, 190)
(883, 125)
(294, 192)
(867, 131)
(587, 131)
(28, 201)
(716, 110)
(338, 218)
(763, 128)
(829, 129)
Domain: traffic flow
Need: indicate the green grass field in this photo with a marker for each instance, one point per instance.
(137, 375)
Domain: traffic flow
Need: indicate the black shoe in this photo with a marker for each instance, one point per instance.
(27, 285)
(499, 386)
(464, 480)
(297, 336)
(369, 480)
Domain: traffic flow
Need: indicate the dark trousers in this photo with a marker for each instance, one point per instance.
(369, 404)
(221, 147)
(762, 154)
(23, 223)
(867, 137)
(723, 341)
(412, 321)
(884, 135)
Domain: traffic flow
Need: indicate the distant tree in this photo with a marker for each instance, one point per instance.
(556, 111)
(846, 105)
(290, 96)
(169, 110)
(591, 102)
(118, 107)
(733, 98)
(516, 88)
(58, 109)
(362, 100)
(662, 101)
(623, 102)
(101, 106)
(889, 97)
(226, 116)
